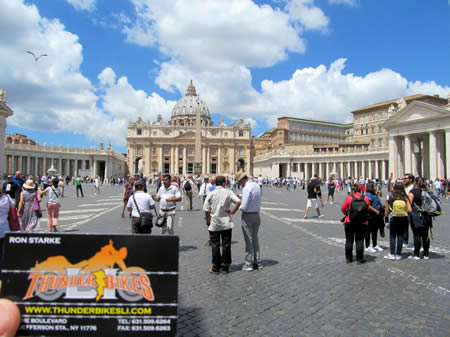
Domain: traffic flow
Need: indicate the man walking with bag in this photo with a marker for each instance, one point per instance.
(168, 194)
(218, 206)
(141, 204)
(250, 207)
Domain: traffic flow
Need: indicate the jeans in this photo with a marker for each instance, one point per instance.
(371, 229)
(397, 228)
(81, 190)
(438, 193)
(250, 227)
(421, 237)
(220, 260)
(354, 232)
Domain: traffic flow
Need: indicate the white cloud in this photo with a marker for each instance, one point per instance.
(229, 33)
(88, 5)
(310, 16)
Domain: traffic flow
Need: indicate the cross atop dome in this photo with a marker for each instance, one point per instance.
(191, 90)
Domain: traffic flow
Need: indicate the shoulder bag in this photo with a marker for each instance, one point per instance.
(37, 206)
(144, 223)
(160, 219)
(13, 217)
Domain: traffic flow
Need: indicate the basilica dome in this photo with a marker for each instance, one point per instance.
(187, 106)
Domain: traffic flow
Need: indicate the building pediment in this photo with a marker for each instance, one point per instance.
(417, 112)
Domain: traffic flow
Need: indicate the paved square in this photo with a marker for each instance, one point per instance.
(305, 288)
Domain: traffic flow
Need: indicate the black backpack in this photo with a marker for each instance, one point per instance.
(187, 186)
(359, 210)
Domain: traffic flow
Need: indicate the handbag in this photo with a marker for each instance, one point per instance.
(145, 223)
(160, 219)
(13, 218)
(36, 206)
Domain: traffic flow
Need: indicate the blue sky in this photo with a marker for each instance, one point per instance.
(111, 61)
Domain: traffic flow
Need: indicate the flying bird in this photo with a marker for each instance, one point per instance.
(36, 58)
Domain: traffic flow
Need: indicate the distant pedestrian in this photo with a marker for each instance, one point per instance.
(331, 189)
(218, 205)
(96, 185)
(203, 193)
(188, 186)
(251, 221)
(78, 184)
(312, 198)
(127, 192)
(355, 208)
(169, 195)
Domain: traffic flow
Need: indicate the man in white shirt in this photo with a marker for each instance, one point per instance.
(438, 187)
(260, 182)
(250, 207)
(188, 186)
(140, 204)
(169, 195)
(218, 207)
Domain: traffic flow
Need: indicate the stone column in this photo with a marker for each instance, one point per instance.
(370, 169)
(249, 169)
(355, 169)
(321, 169)
(393, 157)
(95, 168)
(274, 170)
(307, 173)
(75, 166)
(204, 160)
(177, 161)
(172, 166)
(131, 160)
(219, 160)
(377, 170)
(288, 171)
(185, 160)
(148, 161)
(19, 164)
(341, 174)
(3, 165)
(447, 153)
(440, 137)
(161, 160)
(363, 169)
(349, 170)
(208, 160)
(407, 154)
(383, 169)
(433, 155)
(426, 156)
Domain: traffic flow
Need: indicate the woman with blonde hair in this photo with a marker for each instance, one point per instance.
(29, 213)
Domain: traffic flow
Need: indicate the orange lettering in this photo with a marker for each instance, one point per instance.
(53, 282)
(34, 278)
(73, 281)
(135, 284)
(109, 282)
(146, 288)
(44, 284)
(124, 284)
(63, 281)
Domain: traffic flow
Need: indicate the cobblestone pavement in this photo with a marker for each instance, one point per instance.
(305, 288)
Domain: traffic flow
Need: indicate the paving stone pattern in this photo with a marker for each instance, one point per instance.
(305, 288)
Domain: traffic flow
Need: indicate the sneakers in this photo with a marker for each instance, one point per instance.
(398, 257)
(321, 216)
(370, 250)
(390, 257)
(247, 267)
(305, 217)
(405, 245)
(413, 257)
(258, 266)
(212, 271)
(361, 261)
(426, 257)
(378, 248)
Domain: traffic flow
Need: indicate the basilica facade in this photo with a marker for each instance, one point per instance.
(182, 146)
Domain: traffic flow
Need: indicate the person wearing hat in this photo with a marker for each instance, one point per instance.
(29, 218)
(250, 207)
(140, 204)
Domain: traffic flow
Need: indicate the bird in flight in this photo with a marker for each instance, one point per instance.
(36, 58)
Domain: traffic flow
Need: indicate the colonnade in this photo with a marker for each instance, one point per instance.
(39, 165)
(423, 154)
(371, 168)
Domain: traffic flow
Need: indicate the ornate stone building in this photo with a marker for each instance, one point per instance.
(409, 134)
(155, 148)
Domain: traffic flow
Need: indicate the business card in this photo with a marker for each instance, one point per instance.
(92, 284)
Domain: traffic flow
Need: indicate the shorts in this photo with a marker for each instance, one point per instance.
(331, 191)
(312, 203)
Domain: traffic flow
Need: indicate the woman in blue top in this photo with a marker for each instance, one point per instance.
(373, 218)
